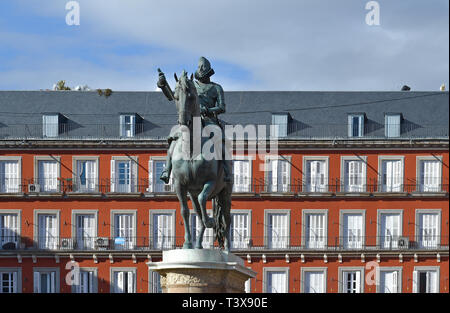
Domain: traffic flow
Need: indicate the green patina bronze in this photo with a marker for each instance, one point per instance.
(202, 179)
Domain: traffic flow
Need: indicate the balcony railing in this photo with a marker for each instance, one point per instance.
(296, 243)
(74, 131)
(68, 185)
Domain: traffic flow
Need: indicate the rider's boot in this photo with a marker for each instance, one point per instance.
(165, 175)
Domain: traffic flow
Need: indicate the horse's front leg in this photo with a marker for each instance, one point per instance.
(208, 188)
(196, 205)
(182, 197)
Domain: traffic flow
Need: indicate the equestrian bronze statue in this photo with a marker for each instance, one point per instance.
(194, 174)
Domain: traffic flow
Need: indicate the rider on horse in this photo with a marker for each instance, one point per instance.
(212, 103)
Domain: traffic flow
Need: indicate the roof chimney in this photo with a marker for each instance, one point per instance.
(443, 87)
(406, 88)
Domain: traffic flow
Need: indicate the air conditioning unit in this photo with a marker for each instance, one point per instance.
(403, 243)
(34, 188)
(102, 243)
(66, 244)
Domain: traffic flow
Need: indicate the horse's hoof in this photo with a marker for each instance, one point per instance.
(187, 245)
(198, 246)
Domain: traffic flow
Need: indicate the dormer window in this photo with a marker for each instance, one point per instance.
(50, 125)
(127, 125)
(356, 124)
(392, 124)
(280, 123)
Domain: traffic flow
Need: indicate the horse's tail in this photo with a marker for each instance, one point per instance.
(221, 215)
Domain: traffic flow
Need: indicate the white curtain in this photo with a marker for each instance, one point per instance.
(163, 233)
(430, 176)
(85, 231)
(392, 125)
(87, 175)
(50, 125)
(48, 175)
(9, 176)
(9, 229)
(276, 282)
(353, 230)
(316, 180)
(48, 231)
(278, 175)
(316, 236)
(239, 230)
(354, 176)
(124, 226)
(314, 282)
(278, 231)
(208, 239)
(392, 179)
(390, 230)
(388, 282)
(241, 169)
(428, 230)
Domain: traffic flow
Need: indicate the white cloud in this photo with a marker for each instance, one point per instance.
(283, 45)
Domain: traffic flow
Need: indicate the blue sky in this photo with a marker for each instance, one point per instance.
(252, 45)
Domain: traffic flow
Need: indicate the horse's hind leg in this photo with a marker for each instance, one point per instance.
(182, 197)
(196, 205)
(202, 198)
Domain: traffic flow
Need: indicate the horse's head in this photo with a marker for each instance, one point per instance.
(186, 99)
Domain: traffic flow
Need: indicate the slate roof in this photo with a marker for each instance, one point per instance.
(313, 114)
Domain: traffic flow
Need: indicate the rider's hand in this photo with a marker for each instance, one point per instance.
(161, 80)
(203, 110)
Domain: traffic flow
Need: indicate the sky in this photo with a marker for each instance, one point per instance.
(292, 45)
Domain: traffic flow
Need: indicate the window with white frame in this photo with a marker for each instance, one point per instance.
(127, 125)
(353, 230)
(124, 174)
(354, 174)
(124, 230)
(155, 282)
(278, 171)
(86, 231)
(277, 230)
(279, 125)
(86, 175)
(316, 175)
(351, 280)
(48, 231)
(392, 125)
(10, 280)
(86, 282)
(9, 230)
(391, 175)
(240, 229)
(389, 280)
(10, 179)
(208, 236)
(390, 230)
(50, 125)
(315, 230)
(163, 232)
(123, 281)
(48, 172)
(276, 280)
(428, 228)
(157, 166)
(356, 125)
(46, 280)
(248, 286)
(429, 178)
(242, 175)
(426, 280)
(314, 280)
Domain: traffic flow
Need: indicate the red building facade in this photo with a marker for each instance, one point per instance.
(323, 215)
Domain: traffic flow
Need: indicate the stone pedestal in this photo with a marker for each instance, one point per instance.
(201, 271)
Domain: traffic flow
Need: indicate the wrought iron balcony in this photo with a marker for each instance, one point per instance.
(258, 186)
(258, 243)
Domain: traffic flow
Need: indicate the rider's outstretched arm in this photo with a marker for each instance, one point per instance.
(164, 85)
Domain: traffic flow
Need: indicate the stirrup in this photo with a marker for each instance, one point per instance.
(165, 177)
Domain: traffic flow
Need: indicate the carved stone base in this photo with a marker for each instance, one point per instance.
(201, 271)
